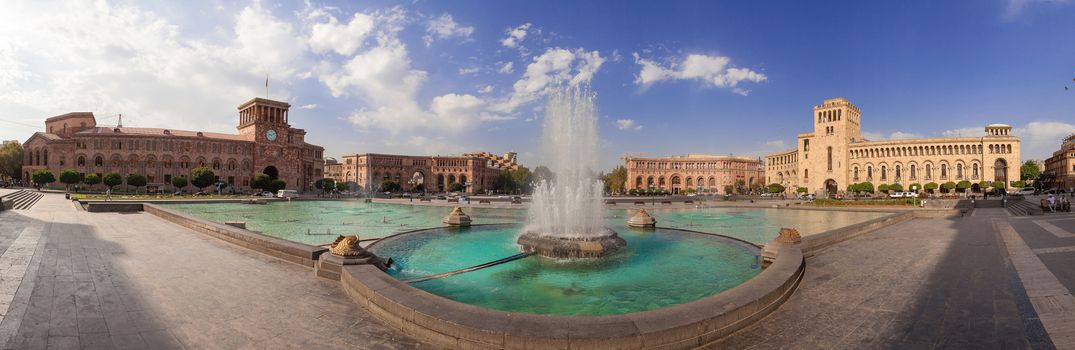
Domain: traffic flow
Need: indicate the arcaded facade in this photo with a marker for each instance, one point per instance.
(1061, 166)
(835, 155)
(475, 171)
(676, 174)
(266, 143)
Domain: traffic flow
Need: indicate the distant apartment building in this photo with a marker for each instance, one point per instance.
(474, 171)
(697, 172)
(835, 155)
(1061, 166)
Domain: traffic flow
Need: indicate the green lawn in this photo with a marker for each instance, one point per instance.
(864, 202)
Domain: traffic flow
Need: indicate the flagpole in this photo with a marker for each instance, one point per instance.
(266, 86)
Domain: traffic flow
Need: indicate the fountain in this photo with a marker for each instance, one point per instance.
(565, 218)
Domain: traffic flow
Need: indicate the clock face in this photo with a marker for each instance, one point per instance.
(271, 135)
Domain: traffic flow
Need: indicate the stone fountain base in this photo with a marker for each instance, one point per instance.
(571, 247)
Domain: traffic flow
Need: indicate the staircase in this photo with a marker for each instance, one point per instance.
(21, 200)
(1019, 207)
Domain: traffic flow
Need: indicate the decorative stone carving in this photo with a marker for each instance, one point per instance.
(347, 246)
(642, 219)
(789, 236)
(457, 218)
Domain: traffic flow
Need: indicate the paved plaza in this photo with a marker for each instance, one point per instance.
(72, 279)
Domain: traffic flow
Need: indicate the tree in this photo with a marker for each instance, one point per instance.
(931, 186)
(504, 183)
(136, 180)
(948, 186)
(91, 179)
(776, 188)
(179, 182)
(740, 185)
(112, 180)
(11, 157)
(865, 187)
(260, 181)
(521, 179)
(895, 188)
(42, 177)
(1019, 183)
(542, 173)
(455, 187)
(389, 186)
(915, 187)
(69, 177)
(983, 185)
(963, 186)
(276, 185)
(1029, 171)
(998, 184)
(201, 177)
(801, 190)
(325, 185)
(615, 180)
(883, 188)
(728, 189)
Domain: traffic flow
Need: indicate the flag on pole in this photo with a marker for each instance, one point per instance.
(266, 86)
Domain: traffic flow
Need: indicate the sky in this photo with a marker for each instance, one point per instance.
(448, 77)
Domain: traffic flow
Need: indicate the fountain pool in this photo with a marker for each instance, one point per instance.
(657, 268)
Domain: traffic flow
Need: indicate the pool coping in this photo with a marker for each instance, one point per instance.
(451, 324)
(290, 251)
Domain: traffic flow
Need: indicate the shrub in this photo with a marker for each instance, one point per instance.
(962, 186)
(948, 186)
(179, 182)
(91, 179)
(136, 180)
(866, 187)
(42, 177)
(277, 185)
(915, 187)
(776, 188)
(69, 177)
(998, 184)
(113, 180)
(895, 188)
(883, 188)
(930, 187)
(801, 190)
(201, 177)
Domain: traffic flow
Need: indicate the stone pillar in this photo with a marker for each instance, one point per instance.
(457, 218)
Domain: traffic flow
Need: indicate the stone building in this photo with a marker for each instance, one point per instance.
(1061, 166)
(676, 174)
(835, 155)
(475, 171)
(266, 143)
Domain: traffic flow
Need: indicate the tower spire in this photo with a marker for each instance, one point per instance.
(119, 124)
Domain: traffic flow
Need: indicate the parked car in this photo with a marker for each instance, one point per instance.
(1025, 191)
(1055, 191)
(766, 194)
(287, 194)
(896, 195)
(808, 196)
(910, 194)
(442, 197)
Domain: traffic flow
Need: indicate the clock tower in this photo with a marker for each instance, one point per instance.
(279, 150)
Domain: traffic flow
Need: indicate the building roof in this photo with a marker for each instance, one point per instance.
(160, 132)
(999, 126)
(70, 115)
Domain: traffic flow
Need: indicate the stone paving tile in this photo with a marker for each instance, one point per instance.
(133, 281)
(940, 283)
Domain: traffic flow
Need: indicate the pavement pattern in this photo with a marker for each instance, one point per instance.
(133, 281)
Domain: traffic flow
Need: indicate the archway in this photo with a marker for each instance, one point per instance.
(1000, 168)
(676, 184)
(272, 172)
(975, 188)
(417, 182)
(830, 187)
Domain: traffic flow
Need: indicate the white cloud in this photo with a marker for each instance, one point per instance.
(555, 66)
(339, 38)
(456, 112)
(468, 71)
(486, 89)
(627, 124)
(506, 68)
(110, 59)
(444, 27)
(1041, 138)
(710, 70)
(515, 35)
(307, 106)
(775, 145)
(1015, 8)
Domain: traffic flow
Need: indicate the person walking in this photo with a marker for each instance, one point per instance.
(108, 194)
(1052, 203)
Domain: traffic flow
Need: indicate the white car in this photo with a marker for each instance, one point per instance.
(897, 195)
(910, 194)
(1025, 191)
(287, 194)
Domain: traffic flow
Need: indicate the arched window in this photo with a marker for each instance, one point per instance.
(959, 171)
(929, 171)
(856, 173)
(98, 161)
(898, 172)
(974, 170)
(884, 172)
(806, 173)
(944, 171)
(869, 173)
(830, 157)
(913, 172)
(81, 161)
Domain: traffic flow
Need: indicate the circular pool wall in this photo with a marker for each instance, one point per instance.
(685, 324)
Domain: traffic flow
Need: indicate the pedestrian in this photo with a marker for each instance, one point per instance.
(1052, 203)
(108, 194)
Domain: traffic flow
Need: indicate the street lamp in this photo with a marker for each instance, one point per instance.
(914, 199)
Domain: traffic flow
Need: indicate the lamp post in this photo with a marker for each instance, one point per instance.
(914, 199)
(411, 183)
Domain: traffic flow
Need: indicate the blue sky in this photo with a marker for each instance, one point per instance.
(441, 77)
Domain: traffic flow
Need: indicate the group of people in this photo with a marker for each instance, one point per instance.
(1061, 204)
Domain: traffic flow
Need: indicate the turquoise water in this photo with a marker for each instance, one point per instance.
(657, 269)
(324, 220)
